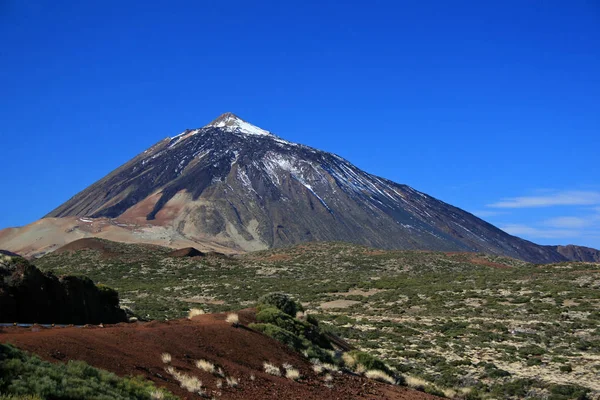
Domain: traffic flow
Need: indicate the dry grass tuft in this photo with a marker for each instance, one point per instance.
(232, 382)
(271, 369)
(219, 383)
(320, 367)
(349, 360)
(380, 376)
(157, 394)
(331, 367)
(166, 358)
(189, 383)
(449, 393)
(292, 373)
(414, 382)
(195, 312)
(206, 366)
(233, 319)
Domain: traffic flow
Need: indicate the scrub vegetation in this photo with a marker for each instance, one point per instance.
(463, 325)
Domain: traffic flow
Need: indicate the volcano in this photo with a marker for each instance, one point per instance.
(232, 185)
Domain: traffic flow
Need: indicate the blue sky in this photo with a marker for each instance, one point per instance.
(490, 106)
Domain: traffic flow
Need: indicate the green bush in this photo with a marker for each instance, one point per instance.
(453, 328)
(282, 335)
(517, 388)
(531, 350)
(492, 371)
(310, 332)
(433, 391)
(272, 315)
(566, 368)
(24, 375)
(534, 361)
(568, 392)
(282, 302)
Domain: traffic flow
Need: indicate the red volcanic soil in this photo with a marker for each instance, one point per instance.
(135, 349)
(186, 252)
(85, 244)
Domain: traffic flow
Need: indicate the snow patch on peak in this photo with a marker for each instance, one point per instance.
(232, 122)
(183, 135)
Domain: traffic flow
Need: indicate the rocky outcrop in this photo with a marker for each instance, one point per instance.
(28, 295)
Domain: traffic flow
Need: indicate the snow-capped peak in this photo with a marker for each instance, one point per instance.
(232, 122)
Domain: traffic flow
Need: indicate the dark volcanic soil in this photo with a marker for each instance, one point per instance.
(135, 349)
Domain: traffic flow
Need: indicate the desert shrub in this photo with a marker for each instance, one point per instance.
(303, 329)
(517, 389)
(282, 302)
(531, 350)
(369, 362)
(566, 368)
(282, 335)
(567, 392)
(491, 371)
(22, 375)
(272, 315)
(453, 328)
(311, 319)
(533, 361)
(434, 391)
(320, 354)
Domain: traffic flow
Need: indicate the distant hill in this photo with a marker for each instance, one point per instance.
(578, 253)
(9, 253)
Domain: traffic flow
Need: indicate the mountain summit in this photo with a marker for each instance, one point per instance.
(232, 122)
(234, 185)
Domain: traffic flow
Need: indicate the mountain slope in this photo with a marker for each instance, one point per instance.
(244, 187)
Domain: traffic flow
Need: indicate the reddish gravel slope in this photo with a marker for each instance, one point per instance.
(135, 349)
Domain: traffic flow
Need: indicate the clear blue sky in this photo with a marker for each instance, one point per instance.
(490, 106)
